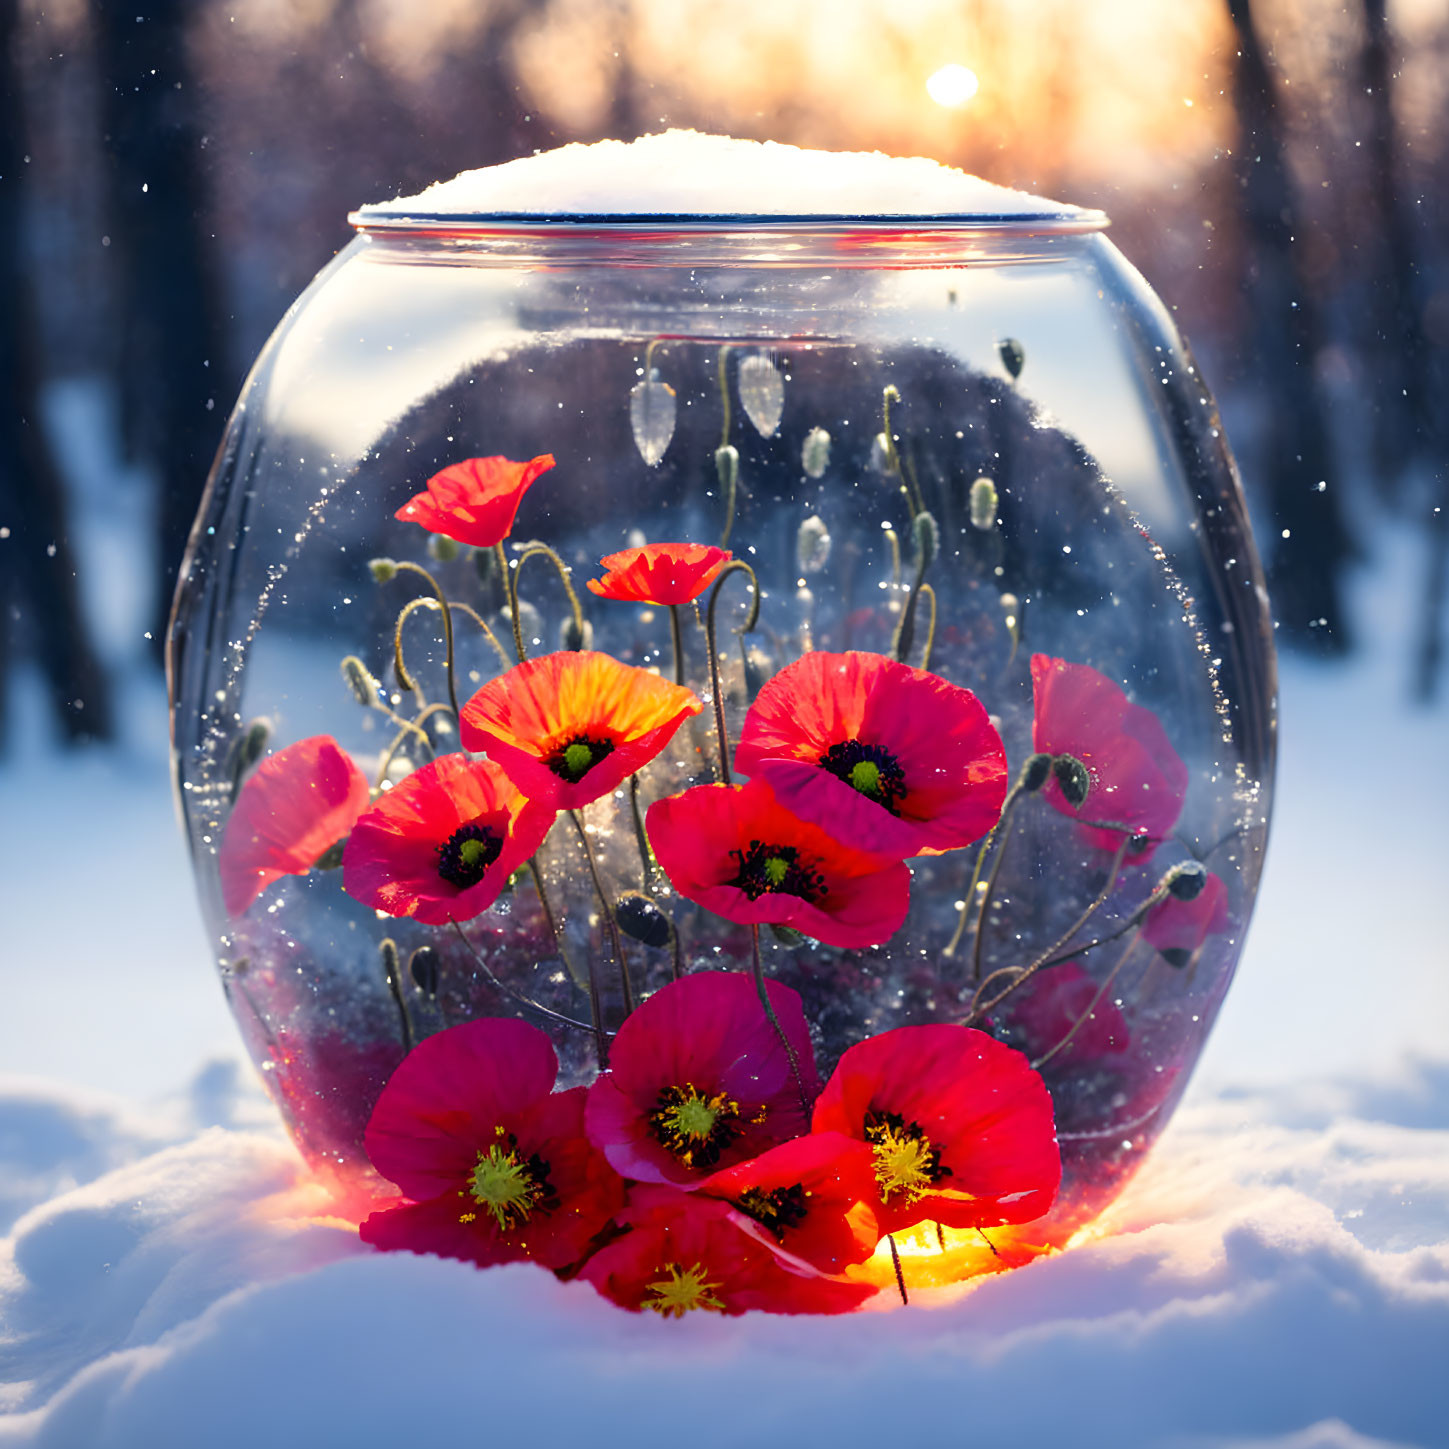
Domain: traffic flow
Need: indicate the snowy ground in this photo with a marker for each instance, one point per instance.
(1277, 1276)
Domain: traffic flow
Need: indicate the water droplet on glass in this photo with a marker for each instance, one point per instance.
(762, 392)
(651, 415)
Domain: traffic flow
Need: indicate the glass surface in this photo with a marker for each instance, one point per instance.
(1109, 534)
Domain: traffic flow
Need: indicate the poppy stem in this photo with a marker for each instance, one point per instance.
(483, 624)
(616, 939)
(678, 633)
(535, 550)
(402, 675)
(409, 727)
(1002, 822)
(1046, 1056)
(724, 397)
(896, 1264)
(774, 1020)
(893, 457)
(979, 1009)
(536, 871)
(930, 593)
(988, 1242)
(388, 948)
(733, 566)
(646, 878)
(510, 592)
(986, 898)
(600, 1036)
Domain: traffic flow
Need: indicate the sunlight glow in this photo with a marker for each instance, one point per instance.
(952, 85)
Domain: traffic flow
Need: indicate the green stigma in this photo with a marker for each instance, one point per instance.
(865, 776)
(683, 1290)
(578, 757)
(504, 1187)
(474, 853)
(776, 869)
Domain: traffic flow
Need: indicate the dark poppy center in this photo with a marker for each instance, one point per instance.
(776, 1208)
(907, 1163)
(575, 757)
(870, 769)
(694, 1126)
(765, 868)
(464, 858)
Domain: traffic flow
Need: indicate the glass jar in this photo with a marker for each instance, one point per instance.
(967, 450)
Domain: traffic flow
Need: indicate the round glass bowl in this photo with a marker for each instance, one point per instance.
(956, 455)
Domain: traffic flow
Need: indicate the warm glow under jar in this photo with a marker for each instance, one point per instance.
(958, 453)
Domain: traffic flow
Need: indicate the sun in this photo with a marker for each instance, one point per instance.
(952, 86)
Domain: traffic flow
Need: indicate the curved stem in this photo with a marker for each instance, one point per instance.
(678, 635)
(896, 1264)
(616, 938)
(601, 1036)
(733, 566)
(415, 727)
(536, 871)
(483, 624)
(979, 1008)
(412, 568)
(535, 550)
(906, 629)
(724, 393)
(1091, 1005)
(991, 887)
(646, 879)
(931, 629)
(510, 592)
(394, 986)
(893, 456)
(774, 1021)
(894, 540)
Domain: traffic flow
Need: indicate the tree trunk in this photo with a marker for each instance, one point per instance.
(1308, 556)
(37, 573)
(175, 380)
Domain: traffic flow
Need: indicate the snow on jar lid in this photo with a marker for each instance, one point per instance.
(689, 177)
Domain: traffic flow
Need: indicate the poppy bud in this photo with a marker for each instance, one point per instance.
(1185, 881)
(928, 538)
(640, 918)
(1177, 956)
(762, 392)
(651, 416)
(331, 858)
(384, 570)
(359, 681)
(812, 546)
(1071, 774)
(246, 750)
(423, 968)
(815, 455)
(1012, 355)
(880, 453)
(387, 949)
(983, 504)
(571, 637)
(1136, 844)
(727, 466)
(442, 548)
(1035, 772)
(787, 935)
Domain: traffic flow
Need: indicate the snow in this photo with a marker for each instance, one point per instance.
(1276, 1278)
(686, 173)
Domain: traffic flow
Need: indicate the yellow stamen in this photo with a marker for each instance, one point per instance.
(503, 1187)
(683, 1290)
(905, 1162)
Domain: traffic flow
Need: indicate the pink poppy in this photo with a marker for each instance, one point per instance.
(1051, 1005)
(890, 757)
(442, 843)
(570, 727)
(736, 850)
(1177, 927)
(1136, 776)
(699, 1080)
(961, 1127)
(495, 1162)
(685, 1253)
(660, 573)
(475, 501)
(808, 1198)
(295, 806)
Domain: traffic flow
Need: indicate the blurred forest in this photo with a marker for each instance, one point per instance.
(173, 172)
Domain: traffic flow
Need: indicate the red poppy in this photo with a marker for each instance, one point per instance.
(684, 1252)
(736, 850)
(496, 1162)
(961, 1127)
(1055, 1001)
(569, 727)
(1137, 778)
(808, 1198)
(890, 757)
(441, 844)
(475, 501)
(1177, 928)
(700, 1080)
(660, 573)
(295, 805)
